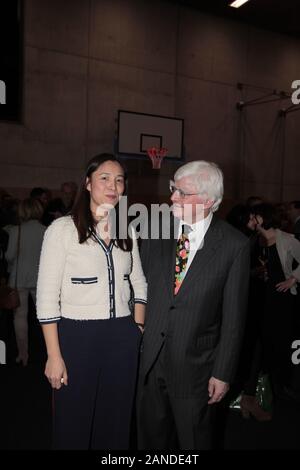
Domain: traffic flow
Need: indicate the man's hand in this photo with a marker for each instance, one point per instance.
(216, 390)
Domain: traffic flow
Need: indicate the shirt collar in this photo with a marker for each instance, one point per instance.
(199, 227)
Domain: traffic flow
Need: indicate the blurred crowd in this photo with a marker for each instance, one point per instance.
(22, 227)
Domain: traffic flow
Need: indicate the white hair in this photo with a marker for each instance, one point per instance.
(207, 177)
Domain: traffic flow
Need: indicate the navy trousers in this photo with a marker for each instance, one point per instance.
(94, 410)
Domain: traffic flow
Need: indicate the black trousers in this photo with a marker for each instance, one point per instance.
(168, 422)
(94, 410)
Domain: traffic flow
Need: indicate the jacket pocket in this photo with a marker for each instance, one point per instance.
(126, 288)
(84, 280)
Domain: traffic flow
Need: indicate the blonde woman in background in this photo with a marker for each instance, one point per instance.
(23, 266)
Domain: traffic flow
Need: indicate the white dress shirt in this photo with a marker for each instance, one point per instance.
(196, 236)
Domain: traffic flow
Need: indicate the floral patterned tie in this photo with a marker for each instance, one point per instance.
(182, 253)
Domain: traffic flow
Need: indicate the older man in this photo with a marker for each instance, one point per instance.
(197, 294)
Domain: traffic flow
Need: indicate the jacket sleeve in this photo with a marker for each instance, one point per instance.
(235, 300)
(50, 275)
(137, 278)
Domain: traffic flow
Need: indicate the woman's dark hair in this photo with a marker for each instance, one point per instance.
(81, 212)
(254, 201)
(271, 217)
(35, 193)
(239, 217)
(54, 209)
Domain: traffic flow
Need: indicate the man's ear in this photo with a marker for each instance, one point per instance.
(88, 184)
(208, 204)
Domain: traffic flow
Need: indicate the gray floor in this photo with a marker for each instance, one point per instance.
(25, 402)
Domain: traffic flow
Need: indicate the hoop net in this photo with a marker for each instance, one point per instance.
(156, 156)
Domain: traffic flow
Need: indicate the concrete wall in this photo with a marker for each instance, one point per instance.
(85, 59)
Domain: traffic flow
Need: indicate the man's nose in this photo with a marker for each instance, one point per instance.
(174, 196)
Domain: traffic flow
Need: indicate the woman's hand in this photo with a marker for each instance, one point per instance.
(56, 372)
(286, 285)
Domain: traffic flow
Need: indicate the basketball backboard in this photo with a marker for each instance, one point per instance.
(137, 132)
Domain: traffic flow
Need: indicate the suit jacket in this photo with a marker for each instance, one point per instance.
(202, 326)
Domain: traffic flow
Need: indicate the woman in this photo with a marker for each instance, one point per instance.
(83, 303)
(22, 255)
(250, 364)
(278, 252)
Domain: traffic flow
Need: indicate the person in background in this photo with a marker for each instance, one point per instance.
(41, 194)
(278, 252)
(9, 212)
(68, 195)
(23, 253)
(53, 211)
(83, 304)
(293, 213)
(250, 363)
(294, 216)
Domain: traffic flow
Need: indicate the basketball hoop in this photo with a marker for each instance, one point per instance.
(156, 156)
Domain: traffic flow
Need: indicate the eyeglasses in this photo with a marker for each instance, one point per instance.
(181, 193)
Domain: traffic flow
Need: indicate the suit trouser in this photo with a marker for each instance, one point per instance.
(165, 421)
(94, 410)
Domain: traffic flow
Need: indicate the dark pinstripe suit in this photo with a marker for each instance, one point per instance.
(190, 337)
